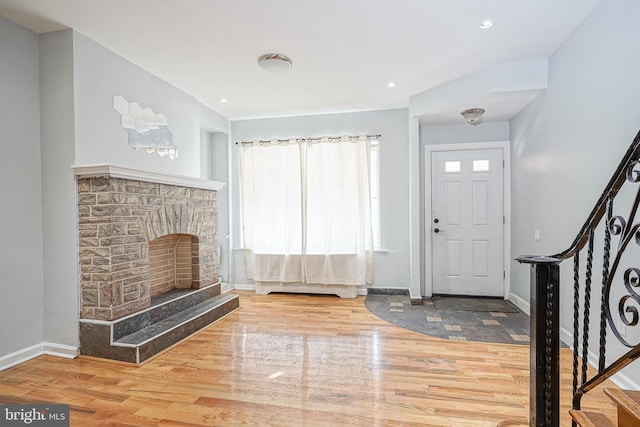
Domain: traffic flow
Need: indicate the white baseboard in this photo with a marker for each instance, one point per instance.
(520, 303)
(244, 286)
(20, 356)
(619, 379)
(60, 350)
(624, 382)
(25, 354)
(252, 287)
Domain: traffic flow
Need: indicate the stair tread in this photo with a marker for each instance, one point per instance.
(628, 399)
(591, 419)
(163, 306)
(169, 323)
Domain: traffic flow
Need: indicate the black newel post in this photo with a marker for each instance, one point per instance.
(544, 398)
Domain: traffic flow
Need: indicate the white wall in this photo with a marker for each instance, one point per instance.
(392, 264)
(567, 143)
(21, 276)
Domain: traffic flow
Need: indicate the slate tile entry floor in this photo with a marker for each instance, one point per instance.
(462, 322)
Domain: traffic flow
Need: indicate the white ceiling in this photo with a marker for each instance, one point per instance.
(344, 52)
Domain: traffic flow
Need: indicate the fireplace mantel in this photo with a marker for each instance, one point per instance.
(109, 170)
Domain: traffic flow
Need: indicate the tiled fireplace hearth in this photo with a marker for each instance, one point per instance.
(148, 254)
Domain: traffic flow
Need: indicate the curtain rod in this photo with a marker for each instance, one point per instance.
(330, 138)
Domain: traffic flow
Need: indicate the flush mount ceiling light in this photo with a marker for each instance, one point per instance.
(486, 24)
(473, 116)
(274, 62)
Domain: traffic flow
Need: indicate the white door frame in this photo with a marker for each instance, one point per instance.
(506, 155)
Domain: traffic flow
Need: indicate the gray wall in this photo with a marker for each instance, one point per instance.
(21, 276)
(80, 126)
(99, 75)
(214, 165)
(59, 189)
(57, 99)
(464, 133)
(220, 147)
(391, 264)
(567, 143)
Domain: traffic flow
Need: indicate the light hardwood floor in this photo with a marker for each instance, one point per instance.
(297, 360)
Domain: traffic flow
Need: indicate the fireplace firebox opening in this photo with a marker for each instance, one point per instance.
(173, 263)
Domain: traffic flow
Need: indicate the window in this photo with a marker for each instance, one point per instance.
(452, 166)
(375, 196)
(307, 210)
(481, 165)
(375, 192)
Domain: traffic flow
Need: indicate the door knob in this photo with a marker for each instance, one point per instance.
(436, 230)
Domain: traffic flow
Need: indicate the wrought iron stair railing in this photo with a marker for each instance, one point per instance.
(618, 303)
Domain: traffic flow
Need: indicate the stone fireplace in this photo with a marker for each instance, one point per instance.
(148, 260)
(142, 234)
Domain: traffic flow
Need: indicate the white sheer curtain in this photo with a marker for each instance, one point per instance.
(306, 211)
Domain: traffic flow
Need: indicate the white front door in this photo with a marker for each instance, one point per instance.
(467, 214)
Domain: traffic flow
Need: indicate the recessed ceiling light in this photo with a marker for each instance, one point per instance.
(223, 100)
(275, 62)
(391, 84)
(486, 24)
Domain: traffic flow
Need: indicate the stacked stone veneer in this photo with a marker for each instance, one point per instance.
(118, 218)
